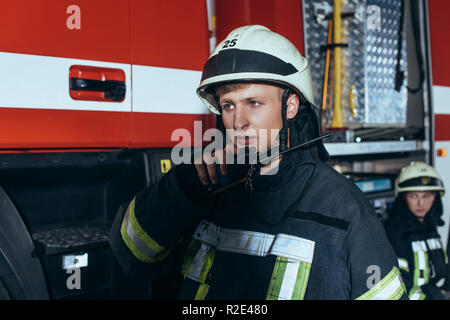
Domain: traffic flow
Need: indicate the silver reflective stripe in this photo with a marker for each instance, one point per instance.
(416, 294)
(292, 247)
(418, 246)
(289, 279)
(197, 262)
(440, 283)
(389, 291)
(422, 266)
(294, 256)
(403, 264)
(245, 242)
(207, 232)
(420, 257)
(255, 243)
(136, 240)
(389, 288)
(434, 243)
(233, 240)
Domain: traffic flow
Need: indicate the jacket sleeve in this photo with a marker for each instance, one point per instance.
(147, 230)
(373, 265)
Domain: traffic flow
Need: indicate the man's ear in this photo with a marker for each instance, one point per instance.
(293, 103)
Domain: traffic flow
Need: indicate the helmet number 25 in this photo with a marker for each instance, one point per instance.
(230, 43)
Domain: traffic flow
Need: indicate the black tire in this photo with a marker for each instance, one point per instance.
(4, 295)
(21, 273)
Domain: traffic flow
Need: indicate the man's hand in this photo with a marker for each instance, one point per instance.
(207, 169)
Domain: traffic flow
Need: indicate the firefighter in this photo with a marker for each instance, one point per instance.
(295, 230)
(411, 229)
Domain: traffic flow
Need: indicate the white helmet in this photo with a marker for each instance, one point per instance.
(419, 176)
(255, 53)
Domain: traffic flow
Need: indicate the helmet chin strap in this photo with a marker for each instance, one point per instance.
(284, 130)
(283, 133)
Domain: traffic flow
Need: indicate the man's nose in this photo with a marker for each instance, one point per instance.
(241, 121)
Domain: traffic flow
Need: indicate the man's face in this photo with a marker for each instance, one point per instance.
(253, 111)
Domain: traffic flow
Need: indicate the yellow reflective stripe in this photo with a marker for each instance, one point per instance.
(387, 288)
(302, 281)
(152, 244)
(445, 255)
(277, 278)
(426, 271)
(136, 252)
(202, 291)
(132, 236)
(289, 279)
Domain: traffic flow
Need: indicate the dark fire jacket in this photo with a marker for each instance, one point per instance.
(306, 232)
(422, 258)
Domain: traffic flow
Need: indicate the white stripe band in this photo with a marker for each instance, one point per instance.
(294, 248)
(289, 279)
(421, 258)
(255, 243)
(415, 296)
(402, 263)
(434, 244)
(441, 97)
(419, 246)
(389, 290)
(197, 263)
(166, 90)
(42, 82)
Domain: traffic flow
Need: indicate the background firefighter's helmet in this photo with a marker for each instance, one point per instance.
(419, 176)
(255, 53)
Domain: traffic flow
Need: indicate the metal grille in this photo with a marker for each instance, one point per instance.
(368, 63)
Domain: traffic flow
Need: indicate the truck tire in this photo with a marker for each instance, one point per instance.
(21, 273)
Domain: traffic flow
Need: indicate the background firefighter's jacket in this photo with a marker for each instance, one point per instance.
(304, 233)
(422, 258)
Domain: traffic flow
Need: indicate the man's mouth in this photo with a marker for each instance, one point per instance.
(246, 140)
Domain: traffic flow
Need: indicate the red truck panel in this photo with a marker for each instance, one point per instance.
(440, 41)
(284, 17)
(164, 34)
(440, 47)
(39, 27)
(171, 34)
(43, 128)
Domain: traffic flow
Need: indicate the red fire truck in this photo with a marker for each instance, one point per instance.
(90, 93)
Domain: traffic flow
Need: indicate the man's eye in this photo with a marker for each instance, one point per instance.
(227, 107)
(254, 103)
